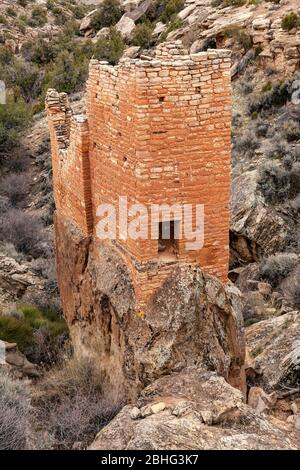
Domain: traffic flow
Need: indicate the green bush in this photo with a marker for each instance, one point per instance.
(67, 73)
(14, 119)
(108, 14)
(38, 17)
(14, 330)
(19, 327)
(171, 8)
(25, 79)
(142, 35)
(3, 20)
(278, 96)
(267, 86)
(111, 48)
(79, 11)
(290, 21)
(277, 267)
(6, 56)
(38, 51)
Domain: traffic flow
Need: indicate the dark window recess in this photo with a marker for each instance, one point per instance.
(161, 99)
(168, 235)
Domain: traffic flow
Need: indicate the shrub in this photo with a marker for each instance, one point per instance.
(261, 128)
(24, 79)
(290, 21)
(11, 12)
(108, 14)
(277, 267)
(274, 183)
(3, 20)
(6, 55)
(277, 147)
(68, 73)
(247, 144)
(15, 330)
(14, 414)
(267, 86)
(46, 348)
(241, 37)
(291, 130)
(111, 48)
(40, 51)
(244, 86)
(76, 410)
(142, 35)
(14, 119)
(278, 96)
(24, 231)
(23, 329)
(15, 186)
(38, 17)
(171, 8)
(79, 11)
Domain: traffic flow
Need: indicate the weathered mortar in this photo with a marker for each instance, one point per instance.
(156, 131)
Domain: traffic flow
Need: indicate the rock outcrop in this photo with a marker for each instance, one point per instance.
(16, 279)
(275, 350)
(14, 362)
(192, 319)
(257, 229)
(192, 409)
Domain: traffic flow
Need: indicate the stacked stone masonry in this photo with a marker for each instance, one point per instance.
(156, 131)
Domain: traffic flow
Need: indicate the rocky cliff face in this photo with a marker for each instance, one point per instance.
(191, 320)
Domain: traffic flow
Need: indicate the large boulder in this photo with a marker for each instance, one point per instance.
(191, 319)
(87, 21)
(192, 409)
(13, 361)
(257, 229)
(125, 26)
(16, 279)
(275, 349)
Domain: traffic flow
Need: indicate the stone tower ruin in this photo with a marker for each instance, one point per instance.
(158, 132)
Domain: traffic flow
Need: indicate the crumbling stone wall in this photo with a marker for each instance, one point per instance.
(156, 131)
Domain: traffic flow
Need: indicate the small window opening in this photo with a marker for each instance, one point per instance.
(168, 237)
(161, 98)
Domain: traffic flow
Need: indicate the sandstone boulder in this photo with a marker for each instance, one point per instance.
(256, 227)
(16, 279)
(125, 26)
(14, 361)
(191, 319)
(87, 21)
(200, 411)
(275, 347)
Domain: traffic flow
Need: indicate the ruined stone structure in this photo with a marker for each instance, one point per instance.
(156, 131)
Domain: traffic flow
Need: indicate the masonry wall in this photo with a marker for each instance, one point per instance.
(70, 161)
(157, 131)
